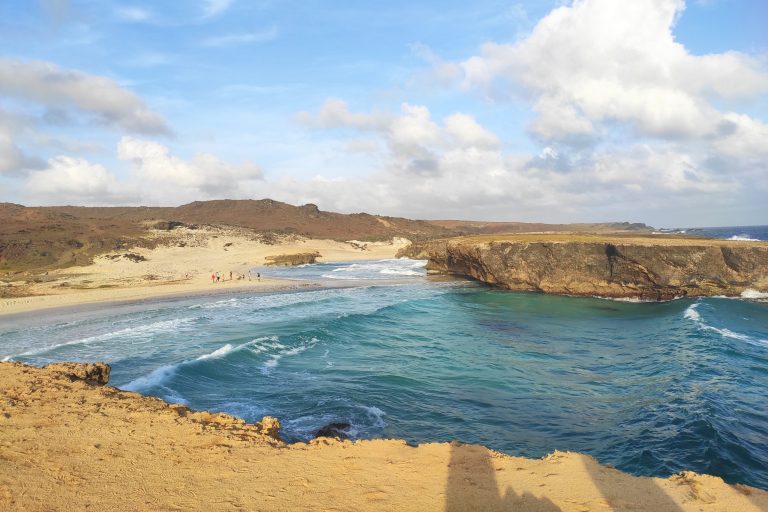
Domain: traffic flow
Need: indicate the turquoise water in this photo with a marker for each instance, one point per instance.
(650, 388)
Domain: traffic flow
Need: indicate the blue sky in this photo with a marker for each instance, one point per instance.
(653, 111)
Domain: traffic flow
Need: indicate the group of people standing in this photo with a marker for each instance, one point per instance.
(217, 276)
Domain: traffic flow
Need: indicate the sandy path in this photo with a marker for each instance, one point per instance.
(68, 445)
(181, 266)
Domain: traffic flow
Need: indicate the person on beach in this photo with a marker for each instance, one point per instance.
(230, 275)
(218, 276)
(258, 276)
(249, 275)
(213, 277)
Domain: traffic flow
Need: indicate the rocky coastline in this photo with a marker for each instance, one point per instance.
(633, 267)
(69, 441)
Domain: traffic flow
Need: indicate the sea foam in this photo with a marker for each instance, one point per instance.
(692, 314)
(749, 293)
(160, 375)
(140, 331)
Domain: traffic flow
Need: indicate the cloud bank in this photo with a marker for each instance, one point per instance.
(624, 118)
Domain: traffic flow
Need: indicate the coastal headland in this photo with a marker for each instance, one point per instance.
(68, 441)
(633, 266)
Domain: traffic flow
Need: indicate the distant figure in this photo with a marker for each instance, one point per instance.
(230, 275)
(218, 276)
(249, 275)
(213, 277)
(258, 276)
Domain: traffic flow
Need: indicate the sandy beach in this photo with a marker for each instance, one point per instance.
(181, 264)
(68, 444)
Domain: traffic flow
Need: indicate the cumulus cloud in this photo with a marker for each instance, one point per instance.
(202, 176)
(155, 177)
(48, 84)
(602, 61)
(73, 180)
(414, 140)
(458, 165)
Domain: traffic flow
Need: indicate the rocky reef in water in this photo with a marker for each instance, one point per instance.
(640, 267)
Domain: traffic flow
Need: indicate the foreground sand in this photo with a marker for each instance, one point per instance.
(70, 445)
(181, 264)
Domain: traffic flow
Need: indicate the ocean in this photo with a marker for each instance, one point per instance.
(753, 233)
(651, 388)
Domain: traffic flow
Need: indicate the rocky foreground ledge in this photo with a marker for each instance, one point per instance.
(616, 266)
(70, 442)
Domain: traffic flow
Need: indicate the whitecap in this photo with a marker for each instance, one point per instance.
(692, 314)
(138, 331)
(155, 379)
(160, 375)
(744, 238)
(376, 414)
(749, 293)
(274, 360)
(216, 354)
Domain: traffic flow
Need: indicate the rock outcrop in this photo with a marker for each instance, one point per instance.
(339, 430)
(287, 260)
(648, 268)
(92, 373)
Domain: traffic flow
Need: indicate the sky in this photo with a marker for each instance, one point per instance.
(650, 111)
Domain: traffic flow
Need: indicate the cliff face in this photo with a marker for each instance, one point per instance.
(648, 268)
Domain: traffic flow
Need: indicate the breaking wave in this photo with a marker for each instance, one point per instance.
(744, 237)
(139, 331)
(693, 314)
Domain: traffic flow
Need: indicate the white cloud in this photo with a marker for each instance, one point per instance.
(335, 113)
(458, 165)
(413, 139)
(467, 132)
(69, 180)
(602, 61)
(155, 177)
(48, 84)
(203, 176)
(230, 40)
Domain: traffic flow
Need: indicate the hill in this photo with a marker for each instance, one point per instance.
(61, 236)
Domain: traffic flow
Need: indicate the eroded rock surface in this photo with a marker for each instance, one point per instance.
(647, 268)
(92, 373)
(69, 445)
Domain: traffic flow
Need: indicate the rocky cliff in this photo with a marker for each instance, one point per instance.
(68, 442)
(644, 267)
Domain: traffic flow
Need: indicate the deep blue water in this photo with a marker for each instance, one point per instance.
(728, 233)
(650, 388)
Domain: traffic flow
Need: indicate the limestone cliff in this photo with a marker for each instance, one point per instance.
(644, 267)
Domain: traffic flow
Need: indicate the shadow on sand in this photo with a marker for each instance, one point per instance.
(472, 485)
(637, 494)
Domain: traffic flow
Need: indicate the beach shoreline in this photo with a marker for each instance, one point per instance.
(185, 264)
